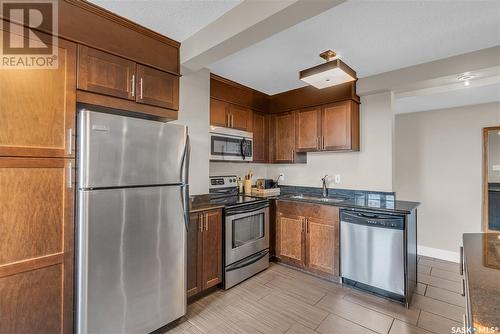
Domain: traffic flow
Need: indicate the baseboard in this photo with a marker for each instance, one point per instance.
(437, 253)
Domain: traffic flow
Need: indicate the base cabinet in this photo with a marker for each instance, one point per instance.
(204, 251)
(307, 237)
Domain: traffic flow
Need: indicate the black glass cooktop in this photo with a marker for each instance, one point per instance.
(235, 200)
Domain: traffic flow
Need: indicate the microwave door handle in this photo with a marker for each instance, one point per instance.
(243, 147)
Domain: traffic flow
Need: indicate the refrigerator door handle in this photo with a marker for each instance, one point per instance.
(185, 181)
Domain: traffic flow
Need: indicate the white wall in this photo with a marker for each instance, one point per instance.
(439, 163)
(238, 169)
(194, 112)
(369, 169)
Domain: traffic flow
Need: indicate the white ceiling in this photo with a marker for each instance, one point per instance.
(448, 99)
(371, 36)
(177, 19)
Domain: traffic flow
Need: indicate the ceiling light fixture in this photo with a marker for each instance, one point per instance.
(466, 77)
(331, 73)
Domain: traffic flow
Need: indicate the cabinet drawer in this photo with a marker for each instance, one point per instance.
(157, 88)
(104, 73)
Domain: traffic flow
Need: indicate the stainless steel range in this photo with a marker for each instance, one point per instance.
(246, 230)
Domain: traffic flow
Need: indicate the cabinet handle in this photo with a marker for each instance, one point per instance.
(200, 218)
(70, 175)
(140, 87)
(322, 142)
(133, 85)
(228, 123)
(463, 287)
(307, 225)
(206, 222)
(230, 120)
(69, 149)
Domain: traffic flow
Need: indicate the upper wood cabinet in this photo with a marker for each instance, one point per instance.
(230, 115)
(340, 126)
(307, 236)
(284, 137)
(37, 108)
(157, 88)
(307, 129)
(333, 127)
(36, 245)
(204, 251)
(260, 137)
(103, 73)
(219, 111)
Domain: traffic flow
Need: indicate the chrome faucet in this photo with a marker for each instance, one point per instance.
(325, 189)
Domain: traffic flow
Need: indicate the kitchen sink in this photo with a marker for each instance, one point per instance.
(319, 199)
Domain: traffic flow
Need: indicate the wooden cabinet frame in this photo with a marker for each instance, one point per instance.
(204, 251)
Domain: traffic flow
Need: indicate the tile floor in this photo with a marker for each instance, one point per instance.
(284, 300)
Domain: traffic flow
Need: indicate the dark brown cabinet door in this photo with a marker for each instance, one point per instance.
(322, 243)
(204, 251)
(157, 88)
(37, 108)
(36, 245)
(340, 126)
(284, 138)
(289, 239)
(307, 130)
(212, 249)
(219, 113)
(194, 254)
(240, 118)
(260, 138)
(104, 73)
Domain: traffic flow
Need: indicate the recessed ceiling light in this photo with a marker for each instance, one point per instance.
(466, 77)
(331, 73)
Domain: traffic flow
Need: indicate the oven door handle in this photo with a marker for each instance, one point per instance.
(247, 262)
(246, 209)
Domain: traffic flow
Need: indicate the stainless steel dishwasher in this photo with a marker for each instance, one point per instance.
(372, 252)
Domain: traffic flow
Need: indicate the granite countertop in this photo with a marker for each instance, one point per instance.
(199, 203)
(482, 274)
(358, 199)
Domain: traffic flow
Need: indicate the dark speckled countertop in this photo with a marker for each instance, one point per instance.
(482, 274)
(358, 199)
(199, 203)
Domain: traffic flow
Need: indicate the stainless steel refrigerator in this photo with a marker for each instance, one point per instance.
(132, 220)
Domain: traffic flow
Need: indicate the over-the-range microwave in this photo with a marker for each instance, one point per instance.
(230, 144)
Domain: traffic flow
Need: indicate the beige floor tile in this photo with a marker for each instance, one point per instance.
(384, 306)
(245, 322)
(440, 283)
(251, 289)
(421, 287)
(205, 318)
(265, 314)
(299, 329)
(438, 307)
(284, 270)
(400, 327)
(298, 289)
(449, 275)
(444, 265)
(445, 296)
(423, 269)
(436, 324)
(307, 315)
(334, 324)
(356, 313)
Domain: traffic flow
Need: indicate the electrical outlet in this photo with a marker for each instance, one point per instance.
(281, 177)
(337, 178)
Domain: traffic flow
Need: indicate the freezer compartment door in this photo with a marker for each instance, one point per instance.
(131, 259)
(373, 256)
(125, 151)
